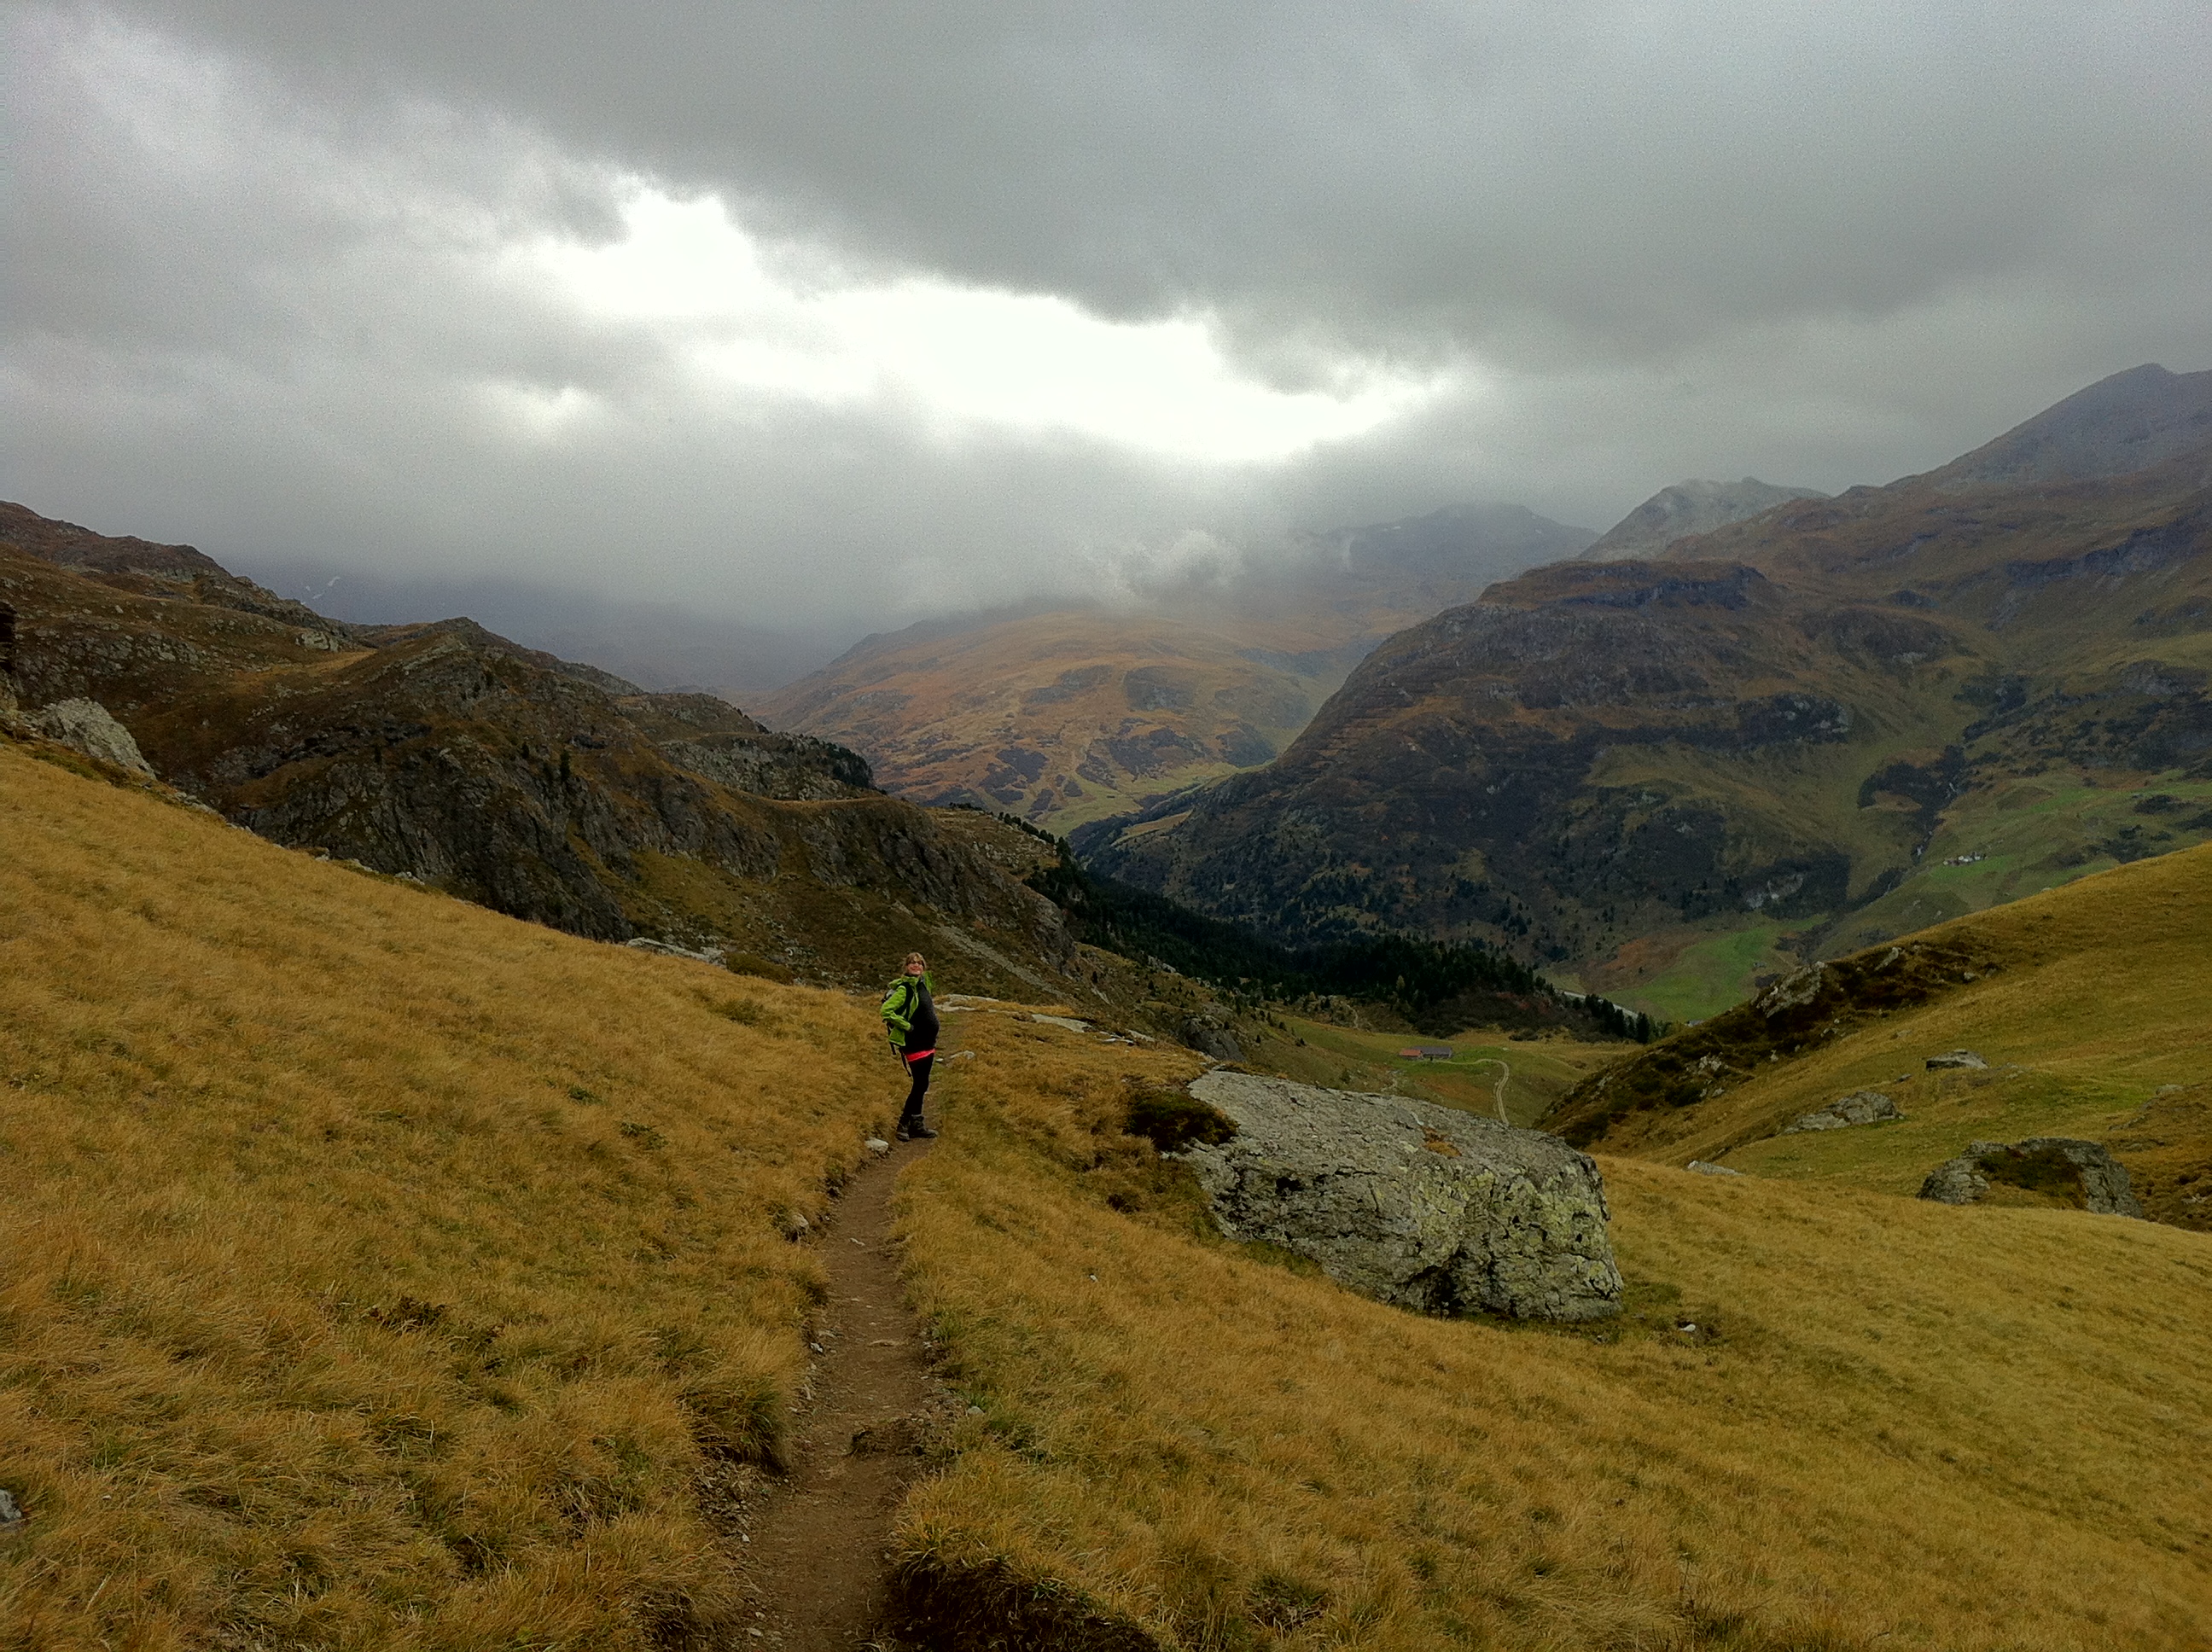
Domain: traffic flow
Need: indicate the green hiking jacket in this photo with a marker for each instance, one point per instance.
(899, 1006)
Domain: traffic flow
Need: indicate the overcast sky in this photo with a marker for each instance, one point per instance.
(828, 315)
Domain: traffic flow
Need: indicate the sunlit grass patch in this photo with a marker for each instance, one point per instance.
(1827, 1420)
(376, 1271)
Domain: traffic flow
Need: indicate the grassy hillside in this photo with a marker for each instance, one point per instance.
(375, 1270)
(378, 1270)
(1487, 1073)
(1893, 1424)
(2092, 1005)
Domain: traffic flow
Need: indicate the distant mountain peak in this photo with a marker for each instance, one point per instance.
(2127, 422)
(1688, 507)
(1476, 534)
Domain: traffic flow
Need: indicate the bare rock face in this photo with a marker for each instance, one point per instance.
(1411, 1204)
(85, 726)
(1860, 1106)
(1210, 1035)
(2080, 1172)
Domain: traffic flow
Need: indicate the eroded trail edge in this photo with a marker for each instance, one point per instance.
(816, 1562)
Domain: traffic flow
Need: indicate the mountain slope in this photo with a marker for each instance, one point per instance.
(378, 1272)
(1841, 720)
(544, 789)
(1689, 507)
(1062, 716)
(2086, 1003)
(2129, 422)
(1829, 1419)
(1068, 715)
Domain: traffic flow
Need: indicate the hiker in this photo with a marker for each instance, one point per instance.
(910, 1017)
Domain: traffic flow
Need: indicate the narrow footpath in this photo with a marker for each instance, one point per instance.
(816, 1559)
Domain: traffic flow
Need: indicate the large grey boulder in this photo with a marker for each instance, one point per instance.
(1409, 1203)
(2078, 1171)
(86, 725)
(1860, 1106)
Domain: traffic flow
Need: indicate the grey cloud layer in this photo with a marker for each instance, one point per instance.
(1821, 243)
(1613, 176)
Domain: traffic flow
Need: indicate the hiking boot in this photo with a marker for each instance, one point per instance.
(916, 1131)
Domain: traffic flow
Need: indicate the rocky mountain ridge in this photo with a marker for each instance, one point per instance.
(1841, 719)
(543, 788)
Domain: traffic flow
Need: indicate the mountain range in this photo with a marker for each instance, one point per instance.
(1067, 715)
(1835, 721)
(543, 788)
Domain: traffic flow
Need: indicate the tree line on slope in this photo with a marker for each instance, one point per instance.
(1431, 983)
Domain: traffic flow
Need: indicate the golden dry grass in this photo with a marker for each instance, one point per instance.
(1898, 1424)
(2103, 997)
(376, 1271)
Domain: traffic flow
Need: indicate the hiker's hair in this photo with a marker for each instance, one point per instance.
(917, 958)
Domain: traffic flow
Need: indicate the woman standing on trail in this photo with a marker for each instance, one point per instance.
(910, 1018)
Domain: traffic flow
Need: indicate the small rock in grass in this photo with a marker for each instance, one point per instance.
(1951, 1058)
(11, 1512)
(878, 1145)
(1705, 1170)
(1069, 1022)
(1860, 1106)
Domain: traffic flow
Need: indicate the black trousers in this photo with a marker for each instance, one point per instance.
(918, 1066)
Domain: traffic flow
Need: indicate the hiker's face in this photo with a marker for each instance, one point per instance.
(915, 966)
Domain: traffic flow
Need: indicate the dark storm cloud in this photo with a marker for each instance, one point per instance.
(1611, 177)
(264, 288)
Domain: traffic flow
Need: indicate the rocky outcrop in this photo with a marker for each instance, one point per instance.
(714, 738)
(1860, 1106)
(85, 726)
(1212, 1035)
(1411, 1204)
(2078, 1172)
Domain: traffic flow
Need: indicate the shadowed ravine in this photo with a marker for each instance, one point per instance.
(817, 1562)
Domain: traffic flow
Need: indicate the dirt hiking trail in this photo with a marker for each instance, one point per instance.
(816, 1561)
